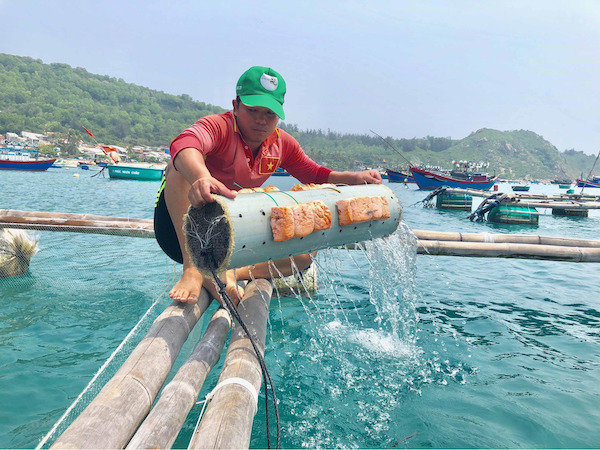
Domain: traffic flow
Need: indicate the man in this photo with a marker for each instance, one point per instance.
(222, 153)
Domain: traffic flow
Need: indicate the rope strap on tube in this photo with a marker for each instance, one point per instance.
(235, 380)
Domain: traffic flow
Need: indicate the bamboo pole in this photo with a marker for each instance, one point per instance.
(563, 201)
(144, 227)
(77, 223)
(227, 421)
(524, 195)
(504, 238)
(509, 250)
(554, 204)
(161, 427)
(112, 417)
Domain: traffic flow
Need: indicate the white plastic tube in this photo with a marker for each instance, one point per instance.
(241, 233)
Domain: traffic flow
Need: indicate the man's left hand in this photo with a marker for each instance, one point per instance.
(371, 176)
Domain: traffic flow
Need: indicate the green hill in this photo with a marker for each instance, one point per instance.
(57, 98)
(41, 97)
(512, 154)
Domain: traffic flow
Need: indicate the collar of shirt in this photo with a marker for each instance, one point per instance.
(266, 143)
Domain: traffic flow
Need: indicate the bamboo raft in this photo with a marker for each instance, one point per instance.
(507, 246)
(560, 201)
(121, 415)
(516, 207)
(526, 195)
(430, 242)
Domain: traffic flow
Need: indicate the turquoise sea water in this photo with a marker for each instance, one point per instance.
(448, 352)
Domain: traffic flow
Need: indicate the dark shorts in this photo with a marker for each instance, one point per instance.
(164, 230)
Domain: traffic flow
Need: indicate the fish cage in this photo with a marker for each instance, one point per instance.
(514, 214)
(570, 212)
(457, 202)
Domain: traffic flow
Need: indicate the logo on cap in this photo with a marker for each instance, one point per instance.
(268, 82)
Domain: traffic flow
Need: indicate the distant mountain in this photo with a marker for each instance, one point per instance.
(510, 154)
(515, 154)
(57, 98)
(520, 153)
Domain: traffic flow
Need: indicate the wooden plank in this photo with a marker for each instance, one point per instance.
(524, 195)
(78, 223)
(112, 417)
(553, 204)
(505, 238)
(161, 427)
(509, 250)
(66, 216)
(227, 421)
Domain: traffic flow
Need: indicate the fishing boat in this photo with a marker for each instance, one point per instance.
(399, 176)
(132, 172)
(460, 177)
(279, 172)
(85, 165)
(59, 164)
(520, 188)
(561, 181)
(92, 165)
(23, 159)
(590, 182)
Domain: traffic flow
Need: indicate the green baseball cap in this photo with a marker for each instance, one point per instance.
(262, 86)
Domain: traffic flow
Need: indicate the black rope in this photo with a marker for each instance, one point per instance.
(265, 372)
(393, 148)
(427, 200)
(101, 171)
(486, 206)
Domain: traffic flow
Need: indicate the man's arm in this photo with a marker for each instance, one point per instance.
(365, 177)
(190, 163)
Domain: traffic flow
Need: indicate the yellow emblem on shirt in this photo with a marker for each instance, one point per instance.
(268, 164)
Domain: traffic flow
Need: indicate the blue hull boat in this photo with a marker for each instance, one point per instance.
(279, 172)
(594, 182)
(23, 159)
(433, 180)
(37, 166)
(395, 176)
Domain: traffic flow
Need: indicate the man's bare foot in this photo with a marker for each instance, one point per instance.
(187, 289)
(235, 292)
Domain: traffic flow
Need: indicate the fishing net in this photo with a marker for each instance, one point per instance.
(77, 293)
(93, 287)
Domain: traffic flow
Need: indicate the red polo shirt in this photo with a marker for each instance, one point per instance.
(229, 158)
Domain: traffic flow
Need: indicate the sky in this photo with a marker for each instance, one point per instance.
(400, 68)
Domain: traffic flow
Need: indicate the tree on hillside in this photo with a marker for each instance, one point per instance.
(69, 145)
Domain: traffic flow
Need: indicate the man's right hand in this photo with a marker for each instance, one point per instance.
(202, 189)
(190, 163)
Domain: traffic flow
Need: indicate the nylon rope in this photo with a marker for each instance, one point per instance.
(99, 372)
(267, 380)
